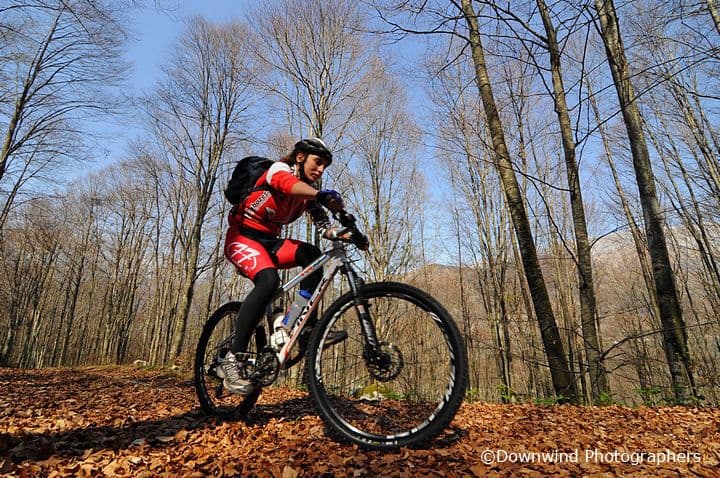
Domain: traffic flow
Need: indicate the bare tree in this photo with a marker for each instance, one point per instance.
(674, 332)
(383, 181)
(63, 61)
(437, 18)
(479, 215)
(316, 56)
(598, 377)
(81, 239)
(712, 9)
(563, 380)
(198, 114)
(32, 266)
(128, 213)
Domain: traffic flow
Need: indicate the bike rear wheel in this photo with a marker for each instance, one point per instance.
(409, 389)
(214, 343)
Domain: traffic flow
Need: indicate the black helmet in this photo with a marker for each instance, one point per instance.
(314, 146)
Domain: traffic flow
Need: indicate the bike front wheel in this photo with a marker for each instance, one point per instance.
(215, 341)
(406, 389)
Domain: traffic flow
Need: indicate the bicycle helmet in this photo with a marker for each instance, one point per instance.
(314, 146)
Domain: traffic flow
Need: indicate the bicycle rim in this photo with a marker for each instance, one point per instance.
(410, 397)
(214, 342)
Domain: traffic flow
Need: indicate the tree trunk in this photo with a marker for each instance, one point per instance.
(598, 376)
(674, 333)
(183, 315)
(563, 381)
(714, 14)
(638, 240)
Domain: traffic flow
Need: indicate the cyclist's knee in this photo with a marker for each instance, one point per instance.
(306, 253)
(266, 281)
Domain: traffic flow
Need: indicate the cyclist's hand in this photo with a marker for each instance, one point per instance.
(332, 234)
(331, 200)
(360, 241)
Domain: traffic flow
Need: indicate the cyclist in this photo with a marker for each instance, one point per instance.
(252, 243)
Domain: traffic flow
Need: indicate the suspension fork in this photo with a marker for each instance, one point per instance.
(363, 311)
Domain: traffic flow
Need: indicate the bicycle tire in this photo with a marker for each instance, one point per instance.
(415, 395)
(214, 342)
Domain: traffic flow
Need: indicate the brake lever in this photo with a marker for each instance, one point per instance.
(348, 222)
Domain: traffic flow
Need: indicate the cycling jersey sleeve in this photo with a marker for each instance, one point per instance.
(280, 177)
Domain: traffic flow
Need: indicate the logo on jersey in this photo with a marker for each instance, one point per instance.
(241, 253)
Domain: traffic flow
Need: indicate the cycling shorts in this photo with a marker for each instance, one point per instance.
(252, 252)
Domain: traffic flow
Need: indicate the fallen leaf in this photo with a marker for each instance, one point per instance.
(289, 472)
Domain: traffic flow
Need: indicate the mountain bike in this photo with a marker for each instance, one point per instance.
(398, 378)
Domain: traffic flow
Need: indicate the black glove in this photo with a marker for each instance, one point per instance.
(361, 241)
(331, 200)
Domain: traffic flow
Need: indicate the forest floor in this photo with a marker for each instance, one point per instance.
(123, 421)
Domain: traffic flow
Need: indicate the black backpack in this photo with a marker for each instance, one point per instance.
(244, 177)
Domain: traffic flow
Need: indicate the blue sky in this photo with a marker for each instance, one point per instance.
(154, 33)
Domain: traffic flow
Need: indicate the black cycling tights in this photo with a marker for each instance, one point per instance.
(266, 282)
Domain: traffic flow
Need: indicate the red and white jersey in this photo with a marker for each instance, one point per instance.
(267, 211)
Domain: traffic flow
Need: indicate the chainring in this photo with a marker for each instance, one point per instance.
(266, 367)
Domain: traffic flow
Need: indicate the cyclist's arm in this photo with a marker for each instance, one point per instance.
(280, 178)
(303, 189)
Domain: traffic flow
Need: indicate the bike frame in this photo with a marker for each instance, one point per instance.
(336, 260)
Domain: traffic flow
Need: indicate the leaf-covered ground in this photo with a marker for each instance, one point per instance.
(129, 422)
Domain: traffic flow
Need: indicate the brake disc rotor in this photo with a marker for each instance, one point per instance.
(387, 363)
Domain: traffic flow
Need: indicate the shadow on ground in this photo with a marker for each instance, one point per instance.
(41, 446)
